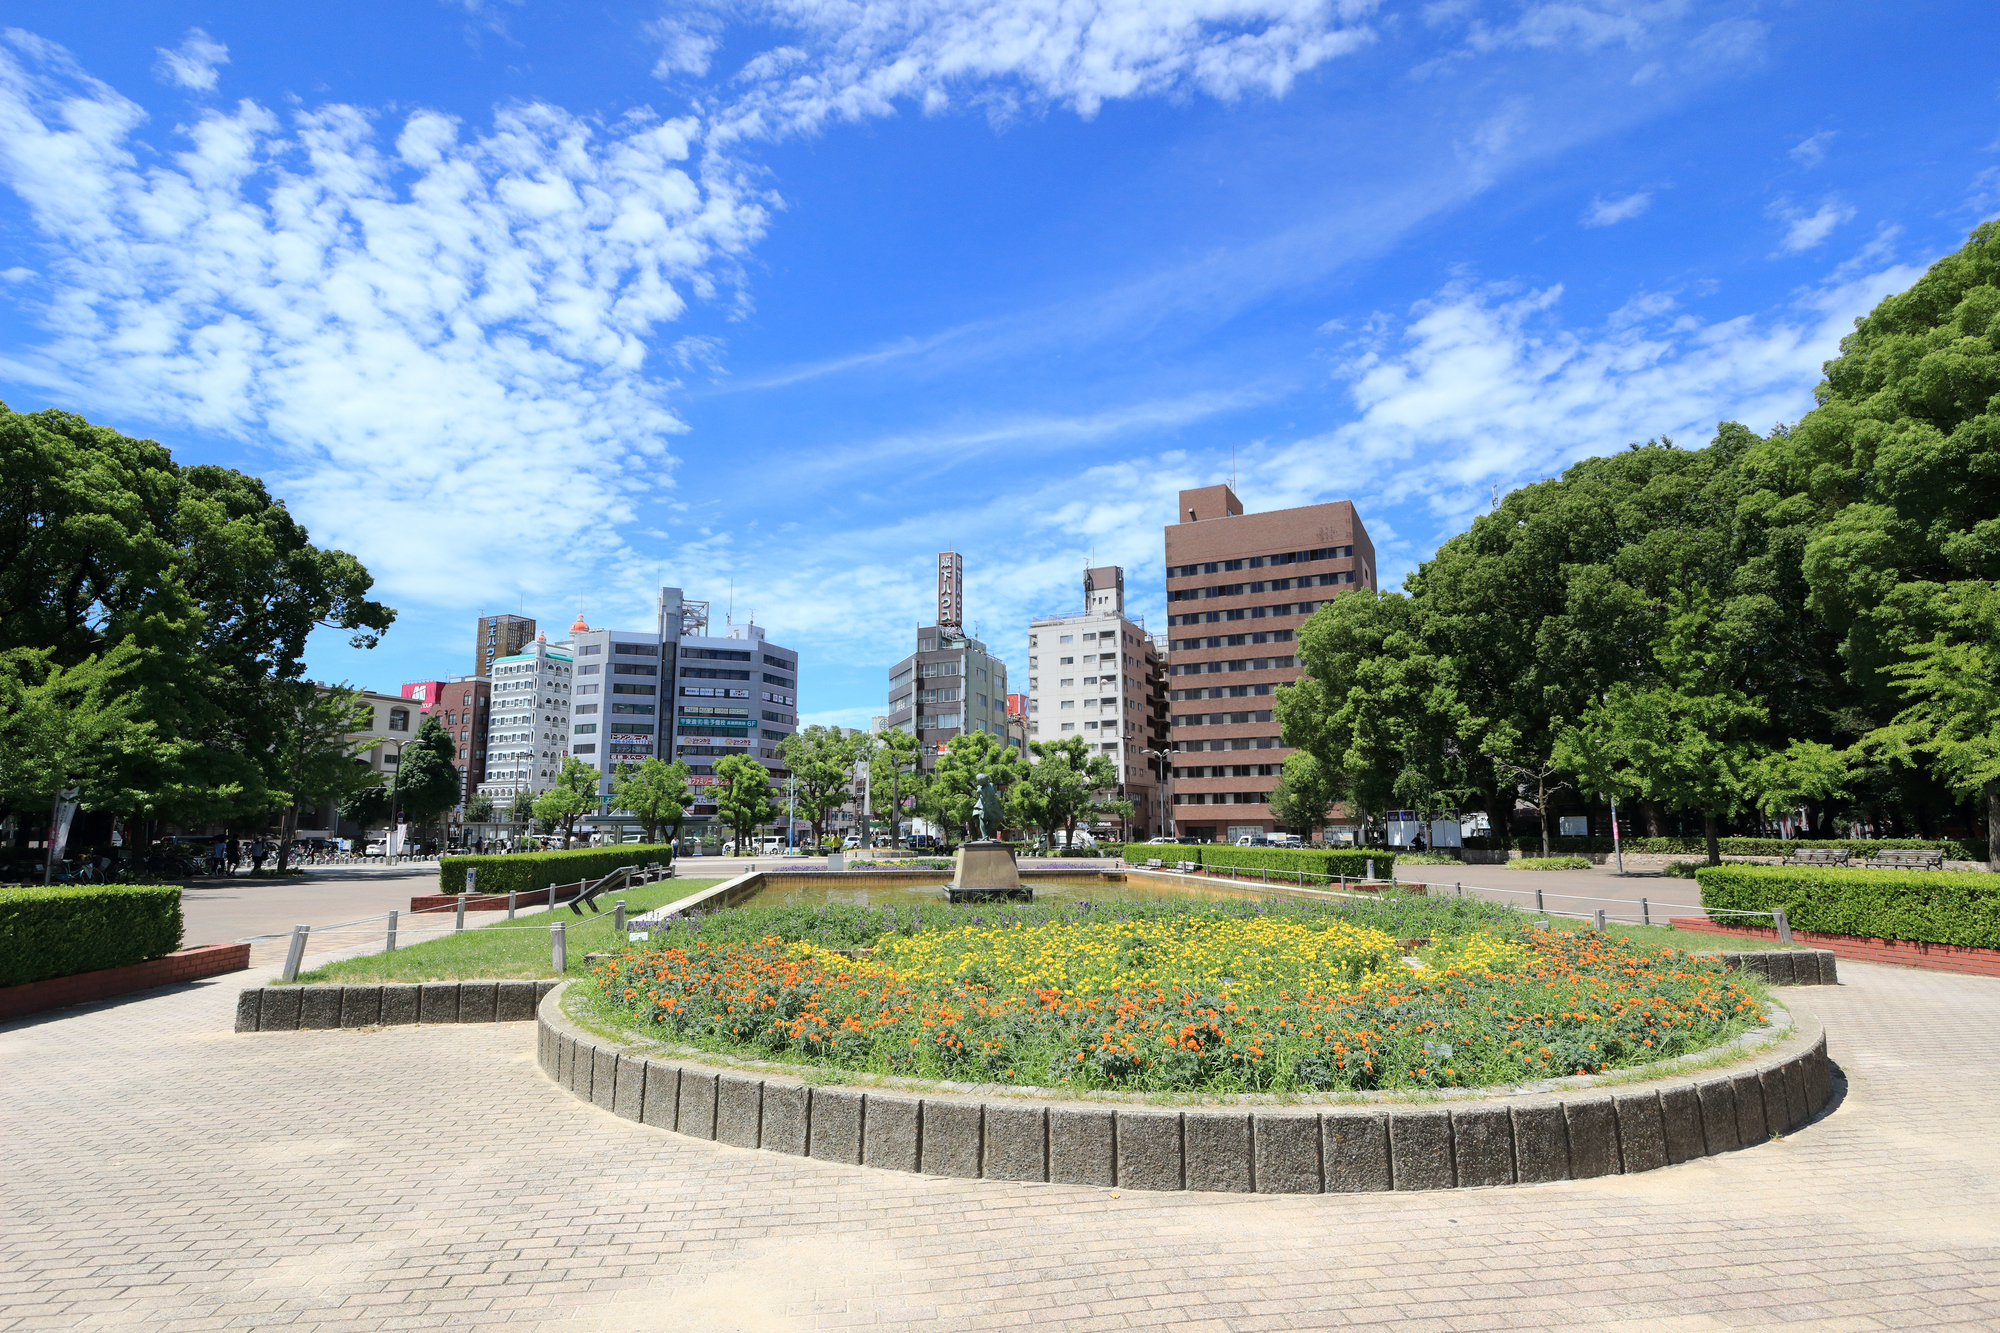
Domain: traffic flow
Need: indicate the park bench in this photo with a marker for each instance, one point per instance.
(1819, 856)
(1907, 860)
(1187, 867)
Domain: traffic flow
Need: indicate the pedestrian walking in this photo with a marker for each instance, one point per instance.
(258, 852)
(217, 855)
(235, 855)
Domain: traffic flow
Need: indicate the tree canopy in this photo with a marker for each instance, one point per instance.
(1768, 622)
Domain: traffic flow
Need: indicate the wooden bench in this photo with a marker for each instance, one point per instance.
(1902, 860)
(1153, 864)
(1819, 856)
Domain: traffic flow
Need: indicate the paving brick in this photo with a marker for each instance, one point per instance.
(1356, 1148)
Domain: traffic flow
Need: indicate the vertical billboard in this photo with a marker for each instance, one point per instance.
(951, 591)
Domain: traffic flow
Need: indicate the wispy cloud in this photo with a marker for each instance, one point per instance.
(443, 336)
(192, 64)
(1810, 152)
(862, 58)
(1609, 212)
(1811, 229)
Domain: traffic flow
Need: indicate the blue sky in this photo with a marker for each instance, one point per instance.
(537, 304)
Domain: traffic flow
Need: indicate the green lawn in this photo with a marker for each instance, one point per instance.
(491, 950)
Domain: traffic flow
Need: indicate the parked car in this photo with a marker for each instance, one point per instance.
(1254, 840)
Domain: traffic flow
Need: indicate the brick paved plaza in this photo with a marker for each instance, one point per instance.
(163, 1173)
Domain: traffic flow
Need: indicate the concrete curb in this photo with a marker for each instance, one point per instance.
(1619, 1129)
(1783, 967)
(388, 1004)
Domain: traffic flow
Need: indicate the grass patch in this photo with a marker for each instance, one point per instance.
(1551, 863)
(492, 952)
(1670, 937)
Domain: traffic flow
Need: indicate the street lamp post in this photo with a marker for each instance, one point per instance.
(1167, 789)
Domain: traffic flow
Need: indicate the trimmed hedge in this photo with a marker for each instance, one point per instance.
(527, 871)
(48, 933)
(1959, 907)
(1313, 861)
(1954, 849)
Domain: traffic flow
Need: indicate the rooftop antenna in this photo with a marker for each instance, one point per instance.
(1232, 467)
(1496, 497)
(730, 614)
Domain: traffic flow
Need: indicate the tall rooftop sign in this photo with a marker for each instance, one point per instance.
(951, 591)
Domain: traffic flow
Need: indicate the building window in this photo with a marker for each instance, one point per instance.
(590, 650)
(1069, 726)
(634, 649)
(399, 719)
(1066, 639)
(586, 670)
(632, 669)
(586, 728)
(584, 749)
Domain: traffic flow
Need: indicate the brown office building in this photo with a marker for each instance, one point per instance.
(1238, 588)
(499, 636)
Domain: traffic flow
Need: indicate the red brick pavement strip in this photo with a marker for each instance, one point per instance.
(163, 1173)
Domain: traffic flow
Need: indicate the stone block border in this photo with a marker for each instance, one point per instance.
(1784, 967)
(1459, 1143)
(203, 960)
(1866, 949)
(389, 1004)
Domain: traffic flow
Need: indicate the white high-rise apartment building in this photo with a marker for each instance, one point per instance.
(1100, 677)
(527, 737)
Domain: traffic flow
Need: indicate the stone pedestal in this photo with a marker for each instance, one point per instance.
(986, 873)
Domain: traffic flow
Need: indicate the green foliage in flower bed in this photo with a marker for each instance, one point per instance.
(52, 932)
(1132, 995)
(525, 871)
(1317, 864)
(1959, 907)
(1552, 863)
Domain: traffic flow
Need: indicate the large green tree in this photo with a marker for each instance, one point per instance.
(654, 792)
(821, 760)
(573, 796)
(105, 541)
(1306, 791)
(314, 755)
(743, 797)
(428, 783)
(954, 782)
(1065, 782)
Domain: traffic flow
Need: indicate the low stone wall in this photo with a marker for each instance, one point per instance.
(1459, 1143)
(1865, 949)
(389, 1004)
(1784, 967)
(203, 960)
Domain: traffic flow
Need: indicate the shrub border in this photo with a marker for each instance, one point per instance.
(190, 964)
(1451, 1143)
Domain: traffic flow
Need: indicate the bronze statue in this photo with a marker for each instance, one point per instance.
(986, 809)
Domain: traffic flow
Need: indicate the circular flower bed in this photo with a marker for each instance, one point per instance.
(1189, 1003)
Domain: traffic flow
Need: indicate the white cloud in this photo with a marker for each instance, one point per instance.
(1485, 385)
(193, 63)
(443, 338)
(1608, 212)
(1811, 152)
(860, 58)
(1808, 231)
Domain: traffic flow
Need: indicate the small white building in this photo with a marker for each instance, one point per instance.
(527, 733)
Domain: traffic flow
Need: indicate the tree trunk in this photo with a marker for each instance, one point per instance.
(1542, 808)
(1714, 843)
(1993, 826)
